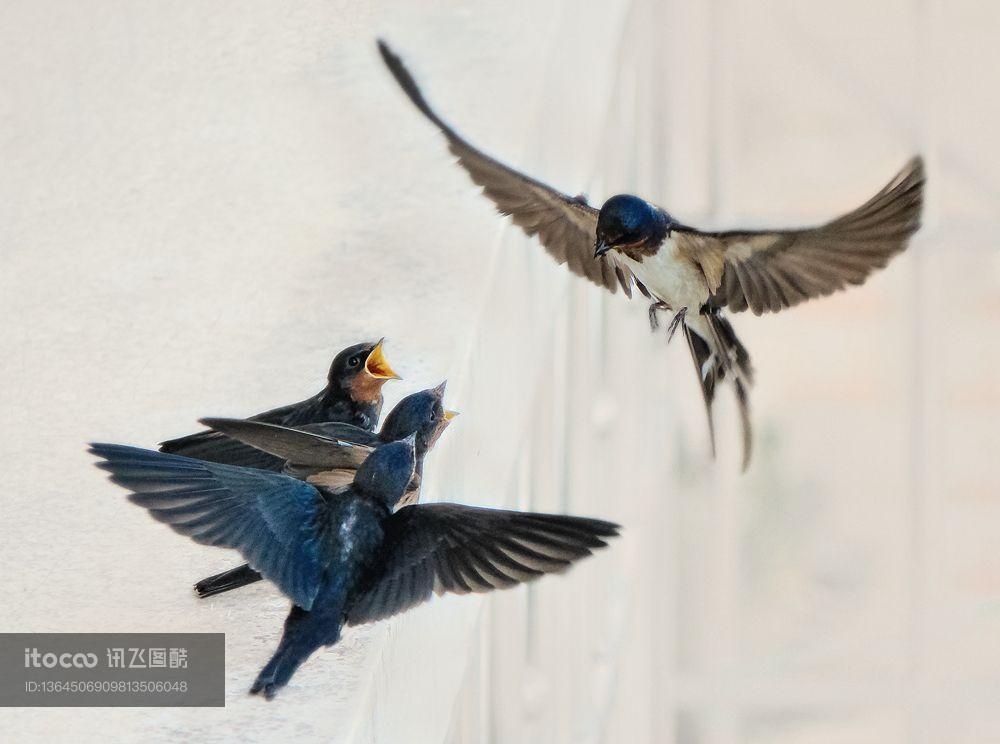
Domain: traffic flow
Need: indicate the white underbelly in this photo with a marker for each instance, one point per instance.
(671, 277)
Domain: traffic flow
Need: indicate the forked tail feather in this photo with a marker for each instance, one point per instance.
(717, 354)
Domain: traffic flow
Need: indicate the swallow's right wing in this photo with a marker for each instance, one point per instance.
(565, 226)
(271, 519)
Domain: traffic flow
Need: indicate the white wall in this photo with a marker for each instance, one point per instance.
(202, 204)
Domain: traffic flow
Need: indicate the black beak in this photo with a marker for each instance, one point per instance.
(600, 248)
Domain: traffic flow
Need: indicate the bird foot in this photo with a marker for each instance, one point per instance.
(654, 321)
(675, 322)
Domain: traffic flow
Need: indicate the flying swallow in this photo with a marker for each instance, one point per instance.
(330, 455)
(694, 274)
(353, 395)
(342, 555)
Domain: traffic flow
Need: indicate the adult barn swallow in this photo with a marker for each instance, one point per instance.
(341, 555)
(693, 273)
(330, 455)
(353, 395)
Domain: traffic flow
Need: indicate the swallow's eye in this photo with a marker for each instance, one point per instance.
(353, 362)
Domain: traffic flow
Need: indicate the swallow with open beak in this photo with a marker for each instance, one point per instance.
(342, 556)
(353, 395)
(694, 274)
(330, 454)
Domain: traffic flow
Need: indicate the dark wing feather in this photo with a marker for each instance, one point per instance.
(565, 226)
(216, 447)
(274, 521)
(298, 446)
(344, 433)
(437, 548)
(769, 271)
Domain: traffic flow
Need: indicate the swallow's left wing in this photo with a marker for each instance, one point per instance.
(565, 226)
(767, 271)
(438, 548)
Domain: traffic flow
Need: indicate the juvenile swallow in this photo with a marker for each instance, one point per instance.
(694, 274)
(341, 555)
(330, 455)
(353, 395)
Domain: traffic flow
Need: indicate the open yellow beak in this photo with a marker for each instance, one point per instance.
(378, 366)
(449, 415)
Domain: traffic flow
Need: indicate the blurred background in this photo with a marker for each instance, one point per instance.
(202, 203)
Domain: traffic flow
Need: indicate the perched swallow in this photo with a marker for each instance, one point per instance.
(694, 274)
(353, 395)
(341, 555)
(330, 455)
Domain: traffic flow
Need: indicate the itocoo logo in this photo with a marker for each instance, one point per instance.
(36, 660)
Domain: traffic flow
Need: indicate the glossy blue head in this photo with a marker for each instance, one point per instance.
(386, 472)
(422, 413)
(629, 223)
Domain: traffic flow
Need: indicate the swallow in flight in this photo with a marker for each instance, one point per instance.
(692, 273)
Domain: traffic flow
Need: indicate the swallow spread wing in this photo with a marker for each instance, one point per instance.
(439, 548)
(564, 225)
(767, 271)
(273, 520)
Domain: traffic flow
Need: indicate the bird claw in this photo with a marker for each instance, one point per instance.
(654, 321)
(675, 322)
